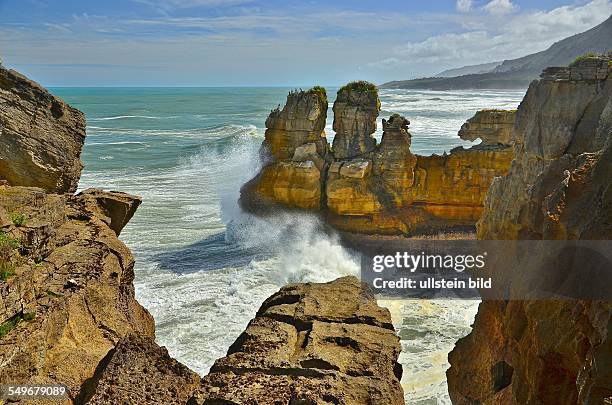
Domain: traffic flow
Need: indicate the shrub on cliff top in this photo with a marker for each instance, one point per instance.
(588, 55)
(360, 86)
(319, 91)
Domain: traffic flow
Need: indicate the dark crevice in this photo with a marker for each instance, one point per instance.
(501, 375)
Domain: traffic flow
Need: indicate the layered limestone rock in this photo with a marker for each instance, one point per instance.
(559, 187)
(294, 154)
(40, 136)
(561, 130)
(66, 294)
(355, 111)
(384, 189)
(493, 127)
(314, 344)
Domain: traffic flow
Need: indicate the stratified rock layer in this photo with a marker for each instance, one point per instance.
(311, 344)
(40, 136)
(493, 127)
(355, 111)
(69, 286)
(294, 155)
(562, 130)
(559, 187)
(381, 189)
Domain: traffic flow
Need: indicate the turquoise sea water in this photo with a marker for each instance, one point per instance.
(202, 266)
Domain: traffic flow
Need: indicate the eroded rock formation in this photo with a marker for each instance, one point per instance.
(294, 154)
(381, 189)
(355, 111)
(40, 136)
(493, 127)
(311, 344)
(559, 187)
(66, 295)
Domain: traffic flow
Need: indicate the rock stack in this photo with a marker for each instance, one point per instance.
(294, 153)
(355, 111)
(380, 189)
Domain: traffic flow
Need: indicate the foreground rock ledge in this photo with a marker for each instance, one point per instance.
(311, 344)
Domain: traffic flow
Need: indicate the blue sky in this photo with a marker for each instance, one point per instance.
(274, 43)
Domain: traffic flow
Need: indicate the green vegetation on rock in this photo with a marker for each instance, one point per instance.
(360, 86)
(11, 323)
(7, 270)
(18, 219)
(320, 91)
(588, 55)
(8, 244)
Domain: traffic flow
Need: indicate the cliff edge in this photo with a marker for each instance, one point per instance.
(559, 187)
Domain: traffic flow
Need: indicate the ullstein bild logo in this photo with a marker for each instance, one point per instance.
(496, 270)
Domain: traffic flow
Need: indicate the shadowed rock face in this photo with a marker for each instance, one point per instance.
(40, 136)
(559, 187)
(311, 343)
(562, 132)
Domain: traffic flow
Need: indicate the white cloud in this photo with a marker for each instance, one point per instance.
(500, 7)
(519, 35)
(464, 5)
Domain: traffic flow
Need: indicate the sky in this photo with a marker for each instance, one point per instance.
(275, 42)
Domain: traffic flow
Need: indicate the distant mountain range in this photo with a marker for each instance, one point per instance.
(515, 73)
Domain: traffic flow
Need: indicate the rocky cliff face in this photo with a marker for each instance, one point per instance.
(562, 132)
(40, 136)
(493, 127)
(559, 187)
(66, 295)
(381, 189)
(66, 292)
(293, 153)
(311, 344)
(355, 111)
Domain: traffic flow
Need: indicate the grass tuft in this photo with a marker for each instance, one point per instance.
(18, 219)
(7, 270)
(11, 323)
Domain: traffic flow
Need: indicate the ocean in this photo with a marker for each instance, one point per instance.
(203, 267)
